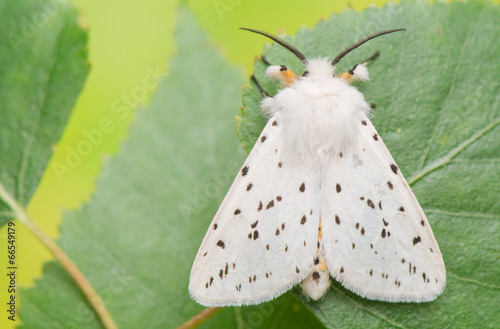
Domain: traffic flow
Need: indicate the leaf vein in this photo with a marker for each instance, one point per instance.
(478, 215)
(474, 281)
(453, 153)
(38, 113)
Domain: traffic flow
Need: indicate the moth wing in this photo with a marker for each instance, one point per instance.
(262, 240)
(377, 240)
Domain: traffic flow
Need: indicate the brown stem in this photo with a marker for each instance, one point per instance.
(199, 318)
(89, 292)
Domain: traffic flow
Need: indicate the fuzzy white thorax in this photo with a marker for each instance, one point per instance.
(321, 113)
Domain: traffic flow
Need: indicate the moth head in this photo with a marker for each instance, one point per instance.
(303, 58)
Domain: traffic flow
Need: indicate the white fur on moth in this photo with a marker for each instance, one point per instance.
(318, 196)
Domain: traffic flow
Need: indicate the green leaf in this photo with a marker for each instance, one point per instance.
(136, 239)
(42, 70)
(436, 91)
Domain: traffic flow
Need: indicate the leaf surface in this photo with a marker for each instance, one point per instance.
(42, 70)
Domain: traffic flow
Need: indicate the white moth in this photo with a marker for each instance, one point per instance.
(318, 196)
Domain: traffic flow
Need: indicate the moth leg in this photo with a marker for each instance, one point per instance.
(254, 79)
(359, 71)
(264, 59)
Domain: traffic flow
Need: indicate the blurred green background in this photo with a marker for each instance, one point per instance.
(128, 39)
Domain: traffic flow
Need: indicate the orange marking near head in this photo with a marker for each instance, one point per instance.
(288, 76)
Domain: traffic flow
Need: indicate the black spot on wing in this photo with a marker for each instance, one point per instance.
(337, 220)
(302, 187)
(249, 186)
(389, 183)
(255, 235)
(254, 225)
(363, 122)
(275, 123)
(394, 168)
(215, 227)
(221, 244)
(237, 211)
(375, 137)
(416, 240)
(270, 204)
(303, 220)
(260, 206)
(338, 188)
(263, 139)
(370, 203)
(244, 171)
